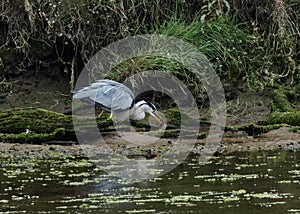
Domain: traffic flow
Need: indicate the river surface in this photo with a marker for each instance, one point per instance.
(239, 182)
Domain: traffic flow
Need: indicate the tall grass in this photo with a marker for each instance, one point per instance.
(39, 34)
(276, 24)
(224, 42)
(243, 45)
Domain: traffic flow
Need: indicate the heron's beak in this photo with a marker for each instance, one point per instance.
(157, 117)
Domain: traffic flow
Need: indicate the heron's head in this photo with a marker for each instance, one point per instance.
(151, 109)
(146, 106)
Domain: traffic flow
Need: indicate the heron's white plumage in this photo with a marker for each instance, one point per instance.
(139, 110)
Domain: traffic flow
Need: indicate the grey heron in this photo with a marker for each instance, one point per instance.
(119, 100)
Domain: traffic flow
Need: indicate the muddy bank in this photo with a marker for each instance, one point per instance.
(280, 139)
(48, 89)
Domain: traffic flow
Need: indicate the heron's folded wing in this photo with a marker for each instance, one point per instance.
(122, 99)
(86, 92)
(109, 94)
(114, 95)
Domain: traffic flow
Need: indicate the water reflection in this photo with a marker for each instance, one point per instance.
(245, 182)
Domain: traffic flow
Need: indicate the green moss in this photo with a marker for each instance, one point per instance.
(33, 125)
(283, 111)
(140, 124)
(254, 129)
(290, 118)
(294, 129)
(34, 119)
(170, 133)
(173, 116)
(32, 137)
(280, 101)
(201, 135)
(174, 133)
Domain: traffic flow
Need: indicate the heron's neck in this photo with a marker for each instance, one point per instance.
(138, 112)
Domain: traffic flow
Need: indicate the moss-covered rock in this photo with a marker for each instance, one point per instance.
(33, 125)
(33, 137)
(294, 129)
(253, 129)
(173, 117)
(280, 101)
(290, 118)
(174, 133)
(282, 110)
(34, 119)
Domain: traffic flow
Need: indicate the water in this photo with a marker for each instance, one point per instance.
(241, 182)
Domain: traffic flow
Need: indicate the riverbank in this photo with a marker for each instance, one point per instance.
(243, 108)
(275, 140)
(257, 65)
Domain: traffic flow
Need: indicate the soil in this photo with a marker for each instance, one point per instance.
(46, 90)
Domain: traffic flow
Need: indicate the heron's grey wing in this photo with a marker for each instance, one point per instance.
(108, 93)
(123, 98)
(85, 92)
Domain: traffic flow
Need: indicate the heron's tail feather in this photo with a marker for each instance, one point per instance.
(84, 93)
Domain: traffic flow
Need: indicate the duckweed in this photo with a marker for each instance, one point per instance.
(251, 180)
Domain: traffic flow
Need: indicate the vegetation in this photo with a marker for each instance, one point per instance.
(254, 129)
(234, 34)
(35, 125)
